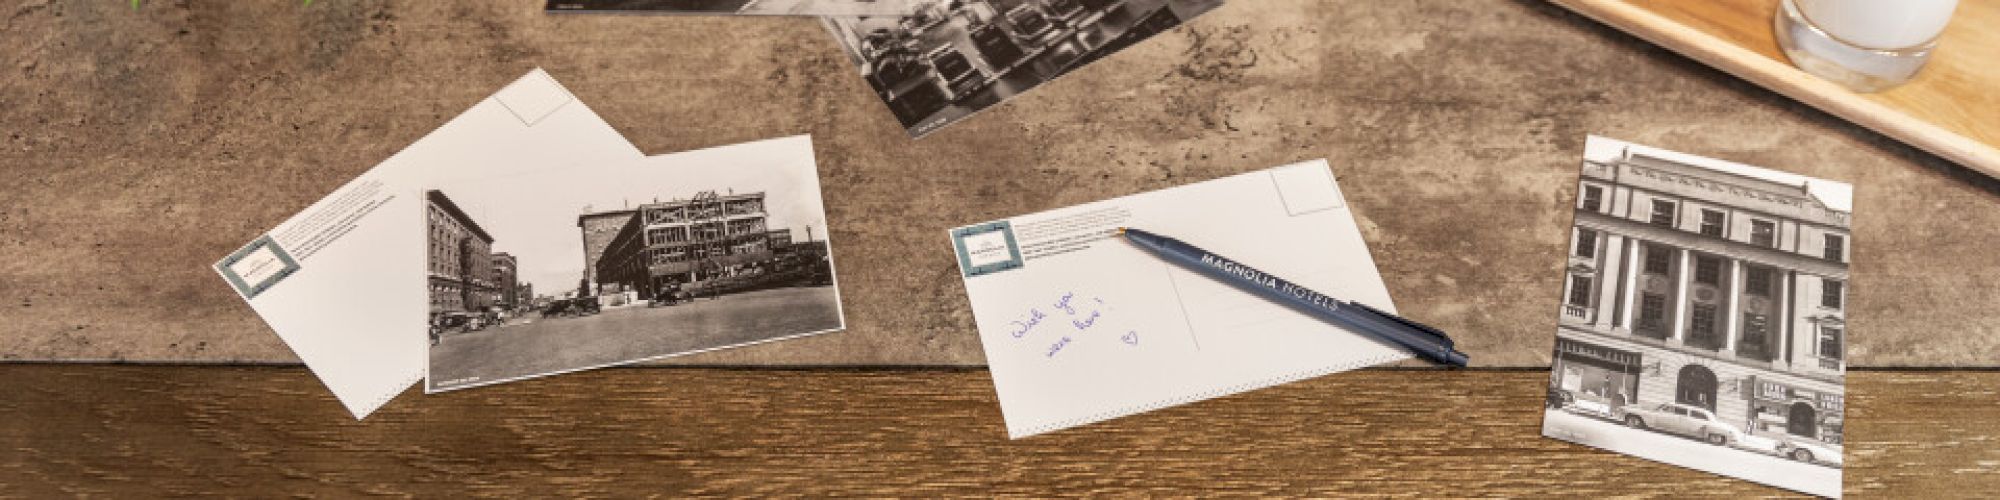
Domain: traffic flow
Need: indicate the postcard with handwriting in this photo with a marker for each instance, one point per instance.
(1703, 317)
(1079, 326)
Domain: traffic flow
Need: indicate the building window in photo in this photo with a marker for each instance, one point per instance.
(1711, 222)
(1830, 295)
(1593, 198)
(1757, 281)
(1586, 243)
(1755, 326)
(1579, 290)
(1701, 324)
(1652, 311)
(1663, 212)
(1764, 233)
(1829, 343)
(1658, 260)
(1707, 270)
(1835, 247)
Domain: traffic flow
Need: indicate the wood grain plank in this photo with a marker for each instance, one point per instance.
(1948, 109)
(153, 431)
(137, 147)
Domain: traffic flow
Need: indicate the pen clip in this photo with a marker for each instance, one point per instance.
(1439, 334)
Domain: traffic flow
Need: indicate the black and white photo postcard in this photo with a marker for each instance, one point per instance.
(334, 281)
(564, 270)
(742, 7)
(1703, 318)
(954, 58)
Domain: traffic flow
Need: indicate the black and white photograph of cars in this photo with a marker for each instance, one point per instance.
(591, 266)
(1680, 419)
(951, 59)
(1702, 318)
(1810, 451)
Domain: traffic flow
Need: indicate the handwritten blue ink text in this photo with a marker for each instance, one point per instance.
(1021, 328)
(1085, 323)
(1058, 346)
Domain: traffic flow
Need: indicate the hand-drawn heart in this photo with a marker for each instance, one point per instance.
(1130, 338)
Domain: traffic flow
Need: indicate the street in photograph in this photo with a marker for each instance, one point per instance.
(1702, 320)
(590, 267)
(954, 58)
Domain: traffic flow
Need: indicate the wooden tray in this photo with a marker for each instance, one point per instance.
(1952, 108)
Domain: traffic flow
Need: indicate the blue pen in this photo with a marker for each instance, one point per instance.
(1418, 338)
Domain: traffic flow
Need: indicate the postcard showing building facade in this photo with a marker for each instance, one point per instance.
(742, 7)
(1703, 317)
(954, 58)
(581, 268)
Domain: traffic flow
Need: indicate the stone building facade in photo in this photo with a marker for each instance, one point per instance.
(506, 279)
(461, 271)
(598, 228)
(1700, 286)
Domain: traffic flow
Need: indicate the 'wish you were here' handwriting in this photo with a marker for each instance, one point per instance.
(1081, 315)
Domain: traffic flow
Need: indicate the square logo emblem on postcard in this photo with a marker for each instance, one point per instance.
(986, 248)
(257, 266)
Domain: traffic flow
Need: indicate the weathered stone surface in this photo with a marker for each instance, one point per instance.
(137, 147)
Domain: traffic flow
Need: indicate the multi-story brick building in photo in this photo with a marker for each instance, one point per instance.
(460, 258)
(1705, 287)
(506, 279)
(711, 244)
(598, 228)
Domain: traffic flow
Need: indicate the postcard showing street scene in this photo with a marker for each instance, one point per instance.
(1703, 317)
(741, 7)
(953, 58)
(593, 266)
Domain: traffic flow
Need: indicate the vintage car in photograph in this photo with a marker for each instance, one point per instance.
(956, 74)
(1809, 451)
(1673, 418)
(1558, 398)
(580, 306)
(460, 321)
(669, 295)
(1583, 403)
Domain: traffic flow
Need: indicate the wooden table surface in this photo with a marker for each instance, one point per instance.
(139, 146)
(1950, 108)
(144, 431)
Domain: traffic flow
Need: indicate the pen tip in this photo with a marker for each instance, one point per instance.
(1121, 230)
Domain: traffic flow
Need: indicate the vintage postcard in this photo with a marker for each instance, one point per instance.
(1703, 320)
(333, 281)
(742, 7)
(559, 271)
(1080, 326)
(952, 59)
